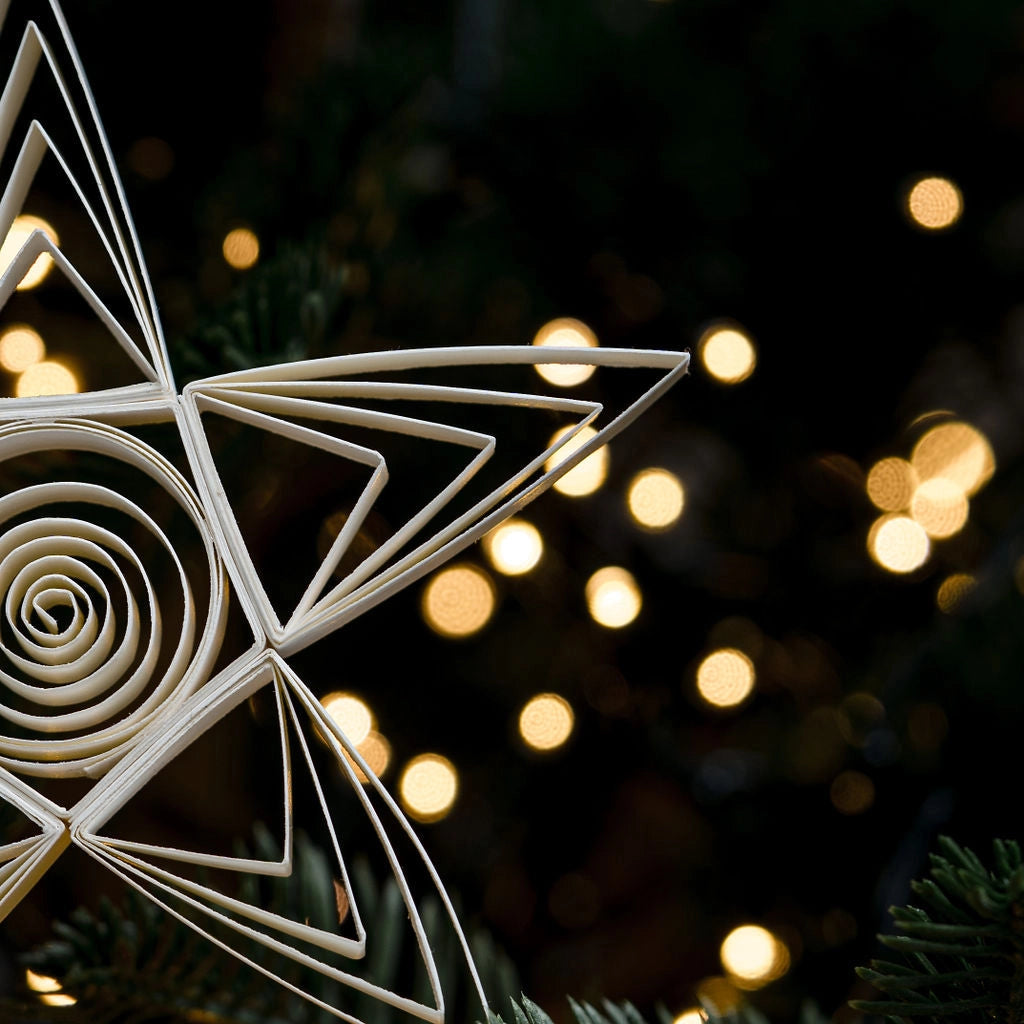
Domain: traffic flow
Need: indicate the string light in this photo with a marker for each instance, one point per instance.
(48, 989)
(940, 506)
(953, 589)
(934, 203)
(428, 787)
(565, 332)
(515, 547)
(350, 714)
(725, 678)
(891, 484)
(585, 477)
(728, 354)
(898, 543)
(546, 721)
(691, 1016)
(241, 248)
(753, 956)
(21, 229)
(655, 498)
(957, 451)
(20, 347)
(613, 597)
(459, 601)
(46, 378)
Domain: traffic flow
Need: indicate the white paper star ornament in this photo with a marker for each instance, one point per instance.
(112, 659)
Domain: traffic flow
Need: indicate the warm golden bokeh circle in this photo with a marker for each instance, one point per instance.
(613, 597)
(953, 589)
(241, 248)
(956, 451)
(898, 543)
(940, 506)
(515, 547)
(934, 203)
(725, 678)
(20, 232)
(891, 484)
(350, 714)
(428, 787)
(546, 721)
(753, 956)
(728, 354)
(46, 378)
(565, 332)
(655, 498)
(588, 474)
(21, 346)
(458, 601)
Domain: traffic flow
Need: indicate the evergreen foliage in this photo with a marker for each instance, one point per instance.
(961, 955)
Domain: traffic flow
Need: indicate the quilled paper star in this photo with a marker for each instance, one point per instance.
(104, 679)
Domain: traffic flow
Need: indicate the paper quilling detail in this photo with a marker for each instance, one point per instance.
(107, 673)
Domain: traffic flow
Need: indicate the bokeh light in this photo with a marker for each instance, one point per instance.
(852, 792)
(241, 248)
(891, 484)
(375, 750)
(21, 229)
(459, 601)
(898, 543)
(727, 354)
(613, 597)
(956, 451)
(753, 956)
(428, 787)
(565, 332)
(350, 714)
(515, 547)
(585, 477)
(546, 721)
(20, 347)
(48, 989)
(691, 1016)
(46, 378)
(953, 589)
(940, 506)
(655, 499)
(719, 994)
(725, 678)
(934, 203)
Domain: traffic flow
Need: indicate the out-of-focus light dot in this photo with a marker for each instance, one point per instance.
(898, 544)
(458, 601)
(891, 484)
(935, 203)
(514, 547)
(546, 721)
(940, 506)
(728, 354)
(350, 714)
(48, 989)
(691, 1016)
(953, 589)
(753, 956)
(613, 597)
(720, 994)
(241, 248)
(852, 792)
(565, 333)
(656, 499)
(958, 452)
(428, 787)
(20, 347)
(23, 226)
(375, 750)
(46, 378)
(725, 678)
(585, 477)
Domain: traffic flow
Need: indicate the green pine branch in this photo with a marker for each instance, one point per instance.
(960, 957)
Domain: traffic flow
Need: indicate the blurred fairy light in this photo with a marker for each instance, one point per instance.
(939, 505)
(48, 989)
(515, 547)
(953, 589)
(21, 229)
(613, 597)
(546, 721)
(727, 354)
(565, 332)
(691, 1016)
(898, 543)
(241, 248)
(20, 347)
(585, 477)
(753, 956)
(891, 484)
(350, 714)
(725, 678)
(957, 451)
(852, 792)
(375, 750)
(459, 601)
(428, 787)
(934, 203)
(719, 994)
(46, 378)
(656, 499)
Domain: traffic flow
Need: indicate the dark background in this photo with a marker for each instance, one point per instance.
(481, 167)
